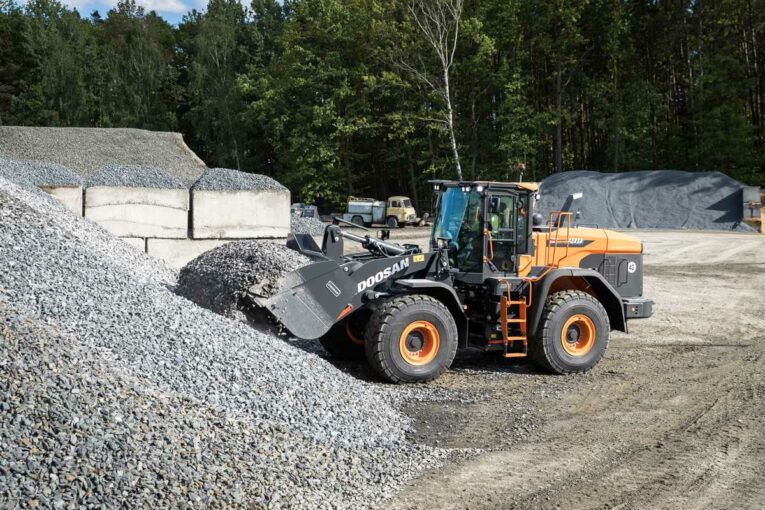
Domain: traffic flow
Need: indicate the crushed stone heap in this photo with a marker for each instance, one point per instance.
(87, 150)
(228, 179)
(134, 176)
(116, 392)
(219, 278)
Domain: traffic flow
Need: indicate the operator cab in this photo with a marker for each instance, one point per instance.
(485, 227)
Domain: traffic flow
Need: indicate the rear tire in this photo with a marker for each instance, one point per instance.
(411, 338)
(358, 220)
(572, 335)
(392, 222)
(345, 340)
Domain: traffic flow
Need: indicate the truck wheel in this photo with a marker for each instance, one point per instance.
(572, 335)
(411, 338)
(358, 220)
(345, 340)
(392, 222)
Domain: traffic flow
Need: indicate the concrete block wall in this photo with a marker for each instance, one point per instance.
(139, 212)
(240, 214)
(70, 196)
(156, 221)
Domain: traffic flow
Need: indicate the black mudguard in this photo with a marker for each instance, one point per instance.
(605, 292)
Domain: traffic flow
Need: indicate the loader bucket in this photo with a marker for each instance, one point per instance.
(310, 299)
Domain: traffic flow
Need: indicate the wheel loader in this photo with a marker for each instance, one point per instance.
(497, 276)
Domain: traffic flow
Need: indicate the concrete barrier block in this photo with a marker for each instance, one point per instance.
(138, 242)
(70, 196)
(139, 212)
(240, 214)
(178, 252)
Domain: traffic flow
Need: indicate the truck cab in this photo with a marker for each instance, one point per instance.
(399, 211)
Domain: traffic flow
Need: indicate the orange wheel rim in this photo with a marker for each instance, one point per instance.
(419, 343)
(351, 336)
(578, 335)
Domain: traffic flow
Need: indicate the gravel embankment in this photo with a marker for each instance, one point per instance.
(228, 179)
(87, 150)
(310, 226)
(116, 392)
(38, 173)
(218, 279)
(134, 176)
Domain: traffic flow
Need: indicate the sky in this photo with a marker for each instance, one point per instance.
(171, 10)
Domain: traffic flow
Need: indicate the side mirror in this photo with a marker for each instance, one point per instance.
(578, 215)
(383, 234)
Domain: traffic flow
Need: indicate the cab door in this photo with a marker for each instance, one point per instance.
(502, 224)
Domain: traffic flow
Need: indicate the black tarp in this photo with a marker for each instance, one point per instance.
(662, 199)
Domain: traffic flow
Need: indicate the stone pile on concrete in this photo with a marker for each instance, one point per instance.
(56, 180)
(229, 204)
(119, 393)
(87, 150)
(311, 226)
(661, 199)
(138, 202)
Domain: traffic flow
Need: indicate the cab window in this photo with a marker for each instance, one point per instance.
(395, 203)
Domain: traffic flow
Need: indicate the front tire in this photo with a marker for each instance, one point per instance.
(345, 340)
(411, 338)
(572, 335)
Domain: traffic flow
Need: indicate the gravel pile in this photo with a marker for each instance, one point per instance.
(115, 392)
(86, 150)
(228, 179)
(92, 237)
(38, 173)
(311, 226)
(665, 199)
(134, 176)
(219, 279)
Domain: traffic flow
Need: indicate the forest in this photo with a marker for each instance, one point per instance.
(346, 97)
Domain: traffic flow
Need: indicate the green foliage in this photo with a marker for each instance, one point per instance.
(316, 92)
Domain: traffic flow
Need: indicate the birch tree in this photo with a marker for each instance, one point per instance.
(439, 23)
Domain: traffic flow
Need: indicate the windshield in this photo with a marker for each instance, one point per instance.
(407, 202)
(458, 219)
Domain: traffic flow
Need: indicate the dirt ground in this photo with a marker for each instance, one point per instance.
(673, 417)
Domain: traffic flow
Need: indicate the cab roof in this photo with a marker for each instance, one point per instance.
(528, 186)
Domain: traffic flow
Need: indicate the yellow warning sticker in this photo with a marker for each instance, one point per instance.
(418, 258)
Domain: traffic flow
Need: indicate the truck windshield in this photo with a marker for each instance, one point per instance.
(407, 202)
(458, 219)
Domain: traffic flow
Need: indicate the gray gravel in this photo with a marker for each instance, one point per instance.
(228, 179)
(134, 176)
(310, 226)
(664, 199)
(38, 173)
(86, 150)
(219, 279)
(116, 392)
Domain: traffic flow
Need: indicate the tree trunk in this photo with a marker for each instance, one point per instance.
(450, 125)
(413, 180)
(559, 120)
(474, 125)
